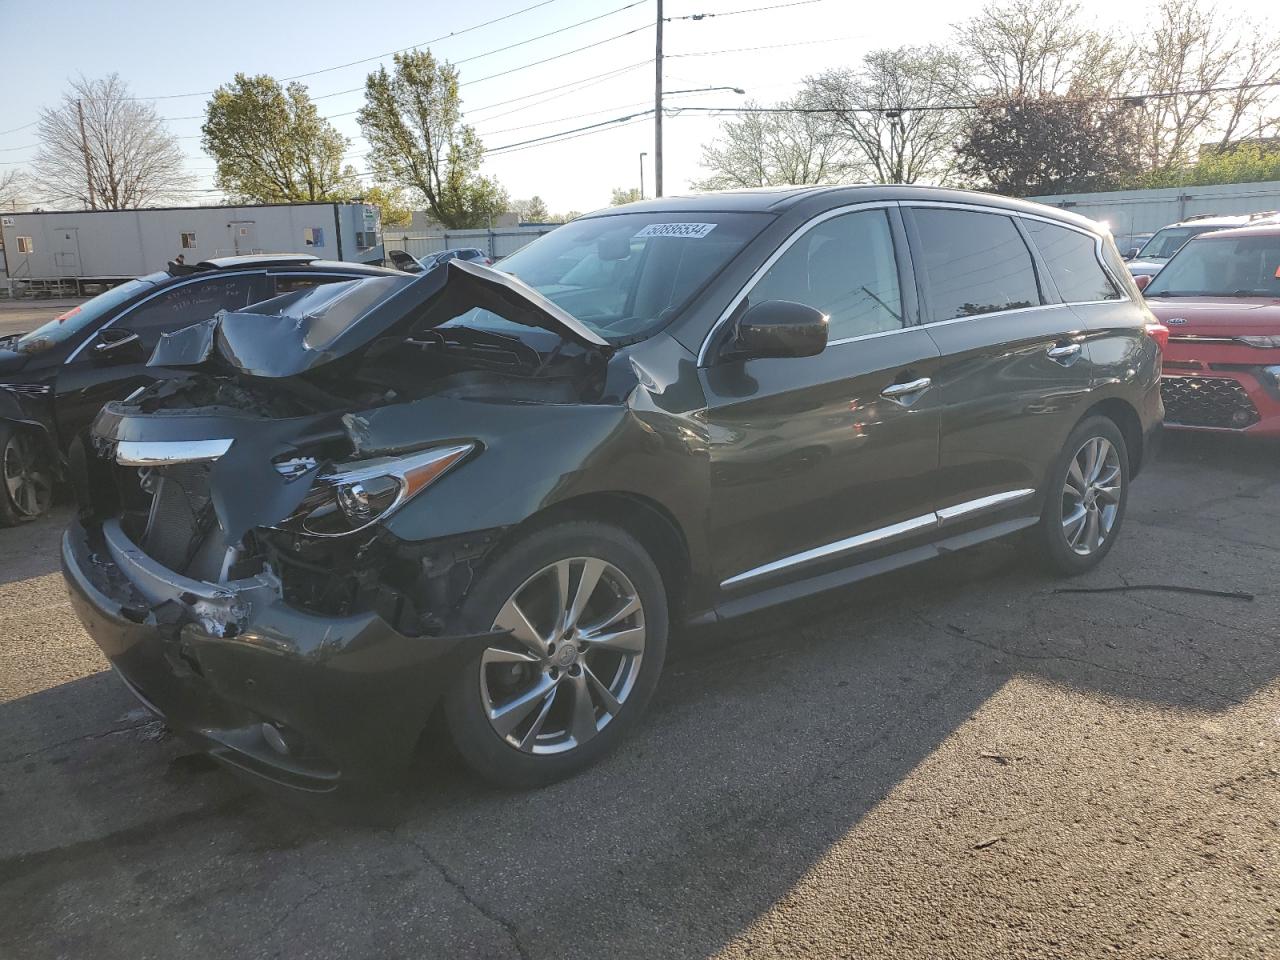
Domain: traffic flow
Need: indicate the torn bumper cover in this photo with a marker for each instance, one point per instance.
(305, 701)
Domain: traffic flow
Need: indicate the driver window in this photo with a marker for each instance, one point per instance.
(190, 303)
(844, 267)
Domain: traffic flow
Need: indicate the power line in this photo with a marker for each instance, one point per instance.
(1128, 99)
(771, 46)
(16, 129)
(590, 126)
(424, 43)
(588, 133)
(325, 96)
(493, 76)
(607, 75)
(567, 53)
(734, 13)
(353, 63)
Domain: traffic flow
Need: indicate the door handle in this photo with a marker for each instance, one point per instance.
(1064, 354)
(896, 391)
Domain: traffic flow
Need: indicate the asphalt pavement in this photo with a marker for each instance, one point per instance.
(19, 316)
(957, 760)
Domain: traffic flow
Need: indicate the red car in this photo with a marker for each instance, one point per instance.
(1220, 298)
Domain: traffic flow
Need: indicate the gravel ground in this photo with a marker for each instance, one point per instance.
(953, 761)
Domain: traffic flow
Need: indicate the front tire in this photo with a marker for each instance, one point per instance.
(585, 617)
(26, 476)
(1087, 494)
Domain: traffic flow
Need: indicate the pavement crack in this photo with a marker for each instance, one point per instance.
(83, 738)
(447, 875)
(1064, 658)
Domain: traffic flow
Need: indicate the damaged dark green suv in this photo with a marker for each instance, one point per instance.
(496, 493)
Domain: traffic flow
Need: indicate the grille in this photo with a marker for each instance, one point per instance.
(1207, 402)
(179, 503)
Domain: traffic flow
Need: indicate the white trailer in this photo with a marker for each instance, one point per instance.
(106, 246)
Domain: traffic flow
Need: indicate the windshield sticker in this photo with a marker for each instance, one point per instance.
(691, 231)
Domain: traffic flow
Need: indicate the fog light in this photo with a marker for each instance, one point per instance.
(1240, 417)
(281, 739)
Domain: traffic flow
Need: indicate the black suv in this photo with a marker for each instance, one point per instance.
(499, 491)
(55, 379)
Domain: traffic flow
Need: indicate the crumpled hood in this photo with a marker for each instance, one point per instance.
(300, 331)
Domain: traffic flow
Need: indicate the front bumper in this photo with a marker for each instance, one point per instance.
(1200, 396)
(349, 696)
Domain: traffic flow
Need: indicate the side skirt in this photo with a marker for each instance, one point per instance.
(834, 579)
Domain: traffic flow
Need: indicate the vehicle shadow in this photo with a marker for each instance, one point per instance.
(772, 741)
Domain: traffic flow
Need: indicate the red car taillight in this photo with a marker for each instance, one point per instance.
(1159, 333)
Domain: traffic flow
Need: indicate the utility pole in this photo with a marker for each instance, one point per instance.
(642, 156)
(657, 109)
(84, 148)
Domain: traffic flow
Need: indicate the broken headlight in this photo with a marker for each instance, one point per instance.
(352, 496)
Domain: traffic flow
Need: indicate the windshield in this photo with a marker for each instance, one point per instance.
(66, 325)
(1169, 241)
(1225, 267)
(626, 275)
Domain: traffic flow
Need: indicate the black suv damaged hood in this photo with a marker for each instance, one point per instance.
(304, 330)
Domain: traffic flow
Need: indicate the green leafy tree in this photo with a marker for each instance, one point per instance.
(1026, 146)
(1238, 163)
(533, 210)
(391, 202)
(621, 196)
(412, 118)
(272, 146)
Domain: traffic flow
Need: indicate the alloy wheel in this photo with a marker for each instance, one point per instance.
(575, 638)
(27, 482)
(1091, 495)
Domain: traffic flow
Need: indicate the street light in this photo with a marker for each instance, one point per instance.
(737, 90)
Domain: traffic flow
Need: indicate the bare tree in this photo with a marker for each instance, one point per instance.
(133, 159)
(1188, 52)
(761, 148)
(13, 190)
(893, 113)
(1026, 48)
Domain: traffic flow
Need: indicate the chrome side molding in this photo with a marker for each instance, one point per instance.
(891, 532)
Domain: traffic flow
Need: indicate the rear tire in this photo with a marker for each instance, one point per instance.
(1085, 500)
(585, 612)
(26, 476)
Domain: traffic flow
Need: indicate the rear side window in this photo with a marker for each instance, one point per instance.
(1073, 262)
(844, 267)
(972, 263)
(190, 303)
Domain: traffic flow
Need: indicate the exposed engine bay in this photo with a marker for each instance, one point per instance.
(232, 475)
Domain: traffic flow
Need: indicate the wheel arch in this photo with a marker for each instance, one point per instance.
(1125, 416)
(643, 518)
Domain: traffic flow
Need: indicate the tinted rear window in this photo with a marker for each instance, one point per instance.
(1072, 258)
(972, 263)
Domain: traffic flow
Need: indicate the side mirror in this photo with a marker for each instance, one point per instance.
(1142, 280)
(117, 346)
(1133, 252)
(779, 328)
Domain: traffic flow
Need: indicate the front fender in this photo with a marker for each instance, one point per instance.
(535, 456)
(14, 412)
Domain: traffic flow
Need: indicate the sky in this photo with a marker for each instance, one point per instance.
(179, 51)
